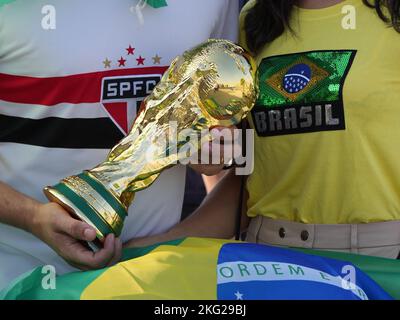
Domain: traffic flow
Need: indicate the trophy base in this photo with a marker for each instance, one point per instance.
(55, 196)
(88, 200)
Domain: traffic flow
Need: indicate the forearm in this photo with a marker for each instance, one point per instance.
(215, 218)
(53, 225)
(16, 209)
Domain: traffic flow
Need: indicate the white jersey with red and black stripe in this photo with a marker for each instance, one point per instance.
(72, 75)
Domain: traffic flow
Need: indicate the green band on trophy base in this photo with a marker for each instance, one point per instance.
(84, 208)
(108, 197)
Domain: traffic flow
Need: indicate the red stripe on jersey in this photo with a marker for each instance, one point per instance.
(79, 88)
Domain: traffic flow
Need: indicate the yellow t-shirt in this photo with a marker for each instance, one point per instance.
(327, 142)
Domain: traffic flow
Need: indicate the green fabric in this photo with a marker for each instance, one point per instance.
(157, 3)
(3, 2)
(24, 282)
(385, 272)
(72, 286)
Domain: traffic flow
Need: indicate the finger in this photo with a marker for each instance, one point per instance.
(77, 266)
(76, 254)
(85, 259)
(117, 252)
(224, 134)
(217, 153)
(101, 258)
(77, 229)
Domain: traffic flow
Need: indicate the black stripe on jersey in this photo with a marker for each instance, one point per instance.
(99, 133)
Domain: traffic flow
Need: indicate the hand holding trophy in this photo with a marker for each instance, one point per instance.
(210, 85)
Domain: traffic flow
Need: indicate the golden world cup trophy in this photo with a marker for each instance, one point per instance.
(211, 85)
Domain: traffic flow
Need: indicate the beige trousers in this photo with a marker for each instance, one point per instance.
(380, 239)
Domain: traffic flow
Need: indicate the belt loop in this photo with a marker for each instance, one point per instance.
(314, 235)
(257, 233)
(353, 238)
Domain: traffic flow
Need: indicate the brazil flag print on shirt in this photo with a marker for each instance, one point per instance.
(209, 269)
(302, 92)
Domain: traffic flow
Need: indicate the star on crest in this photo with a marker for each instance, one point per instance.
(107, 63)
(131, 51)
(157, 59)
(121, 62)
(140, 61)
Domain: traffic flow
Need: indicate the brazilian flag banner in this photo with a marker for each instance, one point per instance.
(210, 269)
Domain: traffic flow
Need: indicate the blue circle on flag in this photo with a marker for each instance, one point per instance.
(297, 78)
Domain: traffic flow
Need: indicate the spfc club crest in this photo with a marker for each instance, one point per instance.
(122, 96)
